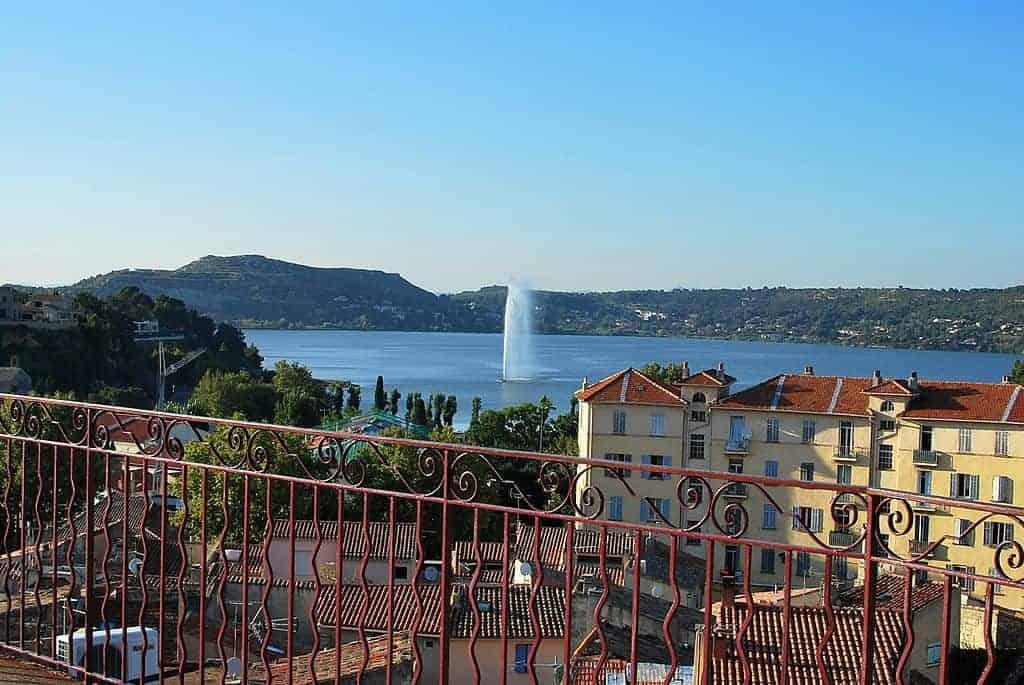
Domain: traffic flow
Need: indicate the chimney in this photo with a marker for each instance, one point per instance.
(876, 377)
(1007, 380)
(586, 381)
(808, 370)
(728, 588)
(912, 381)
(686, 369)
(721, 371)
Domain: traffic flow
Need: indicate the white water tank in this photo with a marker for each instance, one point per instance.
(138, 662)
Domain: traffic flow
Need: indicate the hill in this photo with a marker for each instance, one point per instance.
(252, 290)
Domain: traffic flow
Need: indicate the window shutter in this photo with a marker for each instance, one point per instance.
(989, 534)
(997, 488)
(666, 509)
(975, 486)
(667, 461)
(796, 518)
(816, 522)
(952, 485)
(645, 460)
(644, 508)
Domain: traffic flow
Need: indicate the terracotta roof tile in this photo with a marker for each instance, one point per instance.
(586, 541)
(629, 386)
(889, 594)
(707, 378)
(893, 386)
(403, 599)
(805, 394)
(962, 401)
(326, 663)
(354, 540)
(550, 605)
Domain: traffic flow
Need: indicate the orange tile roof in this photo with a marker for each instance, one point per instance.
(806, 629)
(962, 401)
(889, 594)
(708, 377)
(326, 663)
(354, 541)
(629, 386)
(893, 386)
(805, 394)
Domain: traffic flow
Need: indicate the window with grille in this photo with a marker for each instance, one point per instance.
(620, 473)
(807, 471)
(697, 446)
(964, 441)
(1003, 443)
(619, 422)
(658, 425)
(809, 431)
(772, 430)
(885, 457)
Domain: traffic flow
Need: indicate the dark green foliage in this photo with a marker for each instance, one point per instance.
(224, 394)
(475, 416)
(1018, 371)
(451, 406)
(380, 398)
(354, 398)
(393, 401)
(419, 411)
(668, 373)
(437, 400)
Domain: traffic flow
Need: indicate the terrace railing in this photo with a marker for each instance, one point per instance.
(225, 551)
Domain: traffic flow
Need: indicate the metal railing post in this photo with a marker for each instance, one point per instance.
(867, 654)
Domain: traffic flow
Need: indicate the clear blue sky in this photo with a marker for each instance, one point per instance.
(576, 147)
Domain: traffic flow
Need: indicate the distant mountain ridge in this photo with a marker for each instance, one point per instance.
(256, 291)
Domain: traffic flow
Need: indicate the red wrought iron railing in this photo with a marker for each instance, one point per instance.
(143, 546)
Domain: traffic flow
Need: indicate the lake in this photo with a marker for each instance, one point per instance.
(468, 365)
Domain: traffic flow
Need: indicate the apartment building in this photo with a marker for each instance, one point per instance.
(798, 427)
(631, 418)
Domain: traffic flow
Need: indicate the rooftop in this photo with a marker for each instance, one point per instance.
(630, 386)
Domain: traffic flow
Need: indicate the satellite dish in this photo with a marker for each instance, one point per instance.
(134, 566)
(656, 591)
(234, 666)
(431, 574)
(525, 569)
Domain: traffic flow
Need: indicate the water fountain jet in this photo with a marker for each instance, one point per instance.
(517, 351)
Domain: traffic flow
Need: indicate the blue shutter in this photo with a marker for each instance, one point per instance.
(666, 509)
(645, 459)
(644, 508)
(522, 657)
(616, 508)
(667, 461)
(771, 469)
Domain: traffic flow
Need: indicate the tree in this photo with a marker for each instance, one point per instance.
(224, 394)
(1018, 372)
(393, 402)
(477, 405)
(301, 399)
(419, 411)
(410, 405)
(451, 407)
(669, 373)
(438, 402)
(354, 392)
(380, 399)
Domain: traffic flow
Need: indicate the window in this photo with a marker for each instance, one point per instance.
(522, 657)
(963, 537)
(768, 517)
(926, 438)
(922, 528)
(697, 446)
(658, 425)
(655, 460)
(846, 437)
(996, 573)
(698, 416)
(693, 527)
(807, 437)
(699, 398)
(887, 425)
(615, 508)
(768, 561)
(888, 407)
(771, 469)
(1002, 489)
(649, 508)
(807, 471)
(962, 583)
(732, 558)
(885, 457)
(806, 517)
(618, 473)
(841, 568)
(963, 486)
(772, 430)
(803, 563)
(735, 466)
(1003, 443)
(924, 482)
(998, 532)
(964, 441)
(934, 653)
(619, 422)
(401, 572)
(844, 474)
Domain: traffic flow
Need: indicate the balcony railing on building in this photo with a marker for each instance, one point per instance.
(140, 545)
(926, 458)
(738, 445)
(848, 453)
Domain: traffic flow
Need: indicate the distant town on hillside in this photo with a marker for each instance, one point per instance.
(256, 291)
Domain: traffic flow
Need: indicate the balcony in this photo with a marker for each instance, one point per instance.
(848, 453)
(738, 445)
(310, 554)
(926, 458)
(919, 546)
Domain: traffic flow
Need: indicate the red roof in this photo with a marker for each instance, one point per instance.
(962, 401)
(804, 393)
(763, 642)
(629, 386)
(354, 540)
(889, 594)
(376, 601)
(327, 662)
(708, 378)
(584, 672)
(893, 386)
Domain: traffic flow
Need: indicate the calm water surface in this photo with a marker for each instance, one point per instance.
(469, 364)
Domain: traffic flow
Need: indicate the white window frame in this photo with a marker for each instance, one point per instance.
(772, 430)
(809, 432)
(697, 447)
(768, 517)
(619, 422)
(657, 425)
(1002, 448)
(807, 468)
(964, 439)
(889, 452)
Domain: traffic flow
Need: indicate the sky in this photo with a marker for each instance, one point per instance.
(574, 147)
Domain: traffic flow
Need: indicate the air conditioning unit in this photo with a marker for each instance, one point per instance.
(138, 664)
